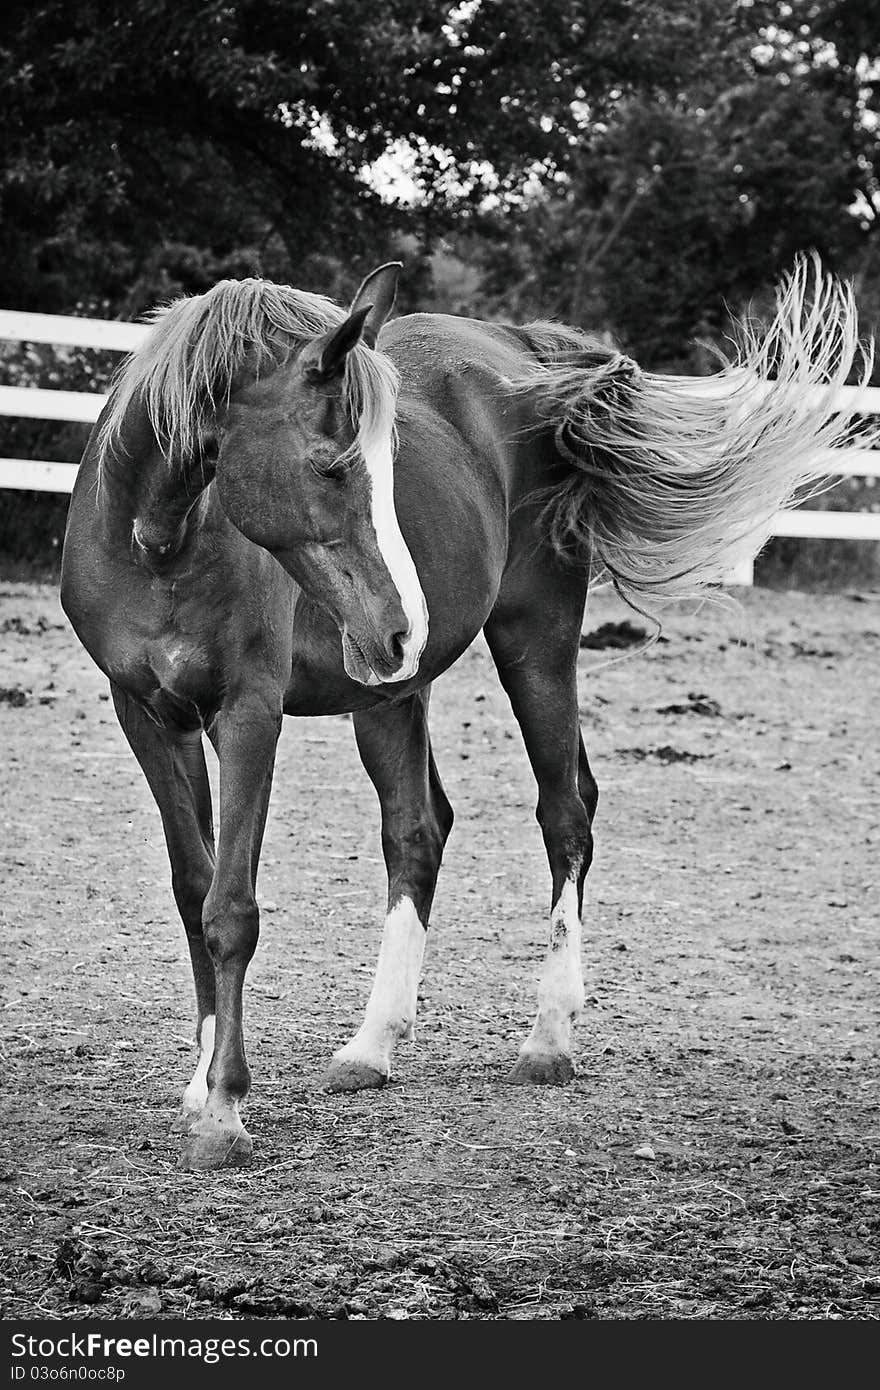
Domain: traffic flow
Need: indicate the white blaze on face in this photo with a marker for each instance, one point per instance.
(561, 989)
(391, 1009)
(196, 1093)
(379, 458)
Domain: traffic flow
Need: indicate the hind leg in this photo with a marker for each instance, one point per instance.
(395, 749)
(173, 762)
(533, 634)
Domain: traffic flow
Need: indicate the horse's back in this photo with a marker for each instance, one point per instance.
(430, 348)
(459, 422)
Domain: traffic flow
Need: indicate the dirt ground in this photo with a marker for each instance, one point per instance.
(716, 1155)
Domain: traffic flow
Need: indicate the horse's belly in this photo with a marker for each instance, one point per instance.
(459, 571)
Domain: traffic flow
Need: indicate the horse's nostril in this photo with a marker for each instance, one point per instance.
(397, 646)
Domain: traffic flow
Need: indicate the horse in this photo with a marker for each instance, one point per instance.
(287, 507)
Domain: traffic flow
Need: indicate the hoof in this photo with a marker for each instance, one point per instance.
(342, 1075)
(548, 1069)
(207, 1146)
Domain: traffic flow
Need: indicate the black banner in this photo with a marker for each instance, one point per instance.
(144, 1353)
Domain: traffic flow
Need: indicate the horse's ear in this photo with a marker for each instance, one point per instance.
(332, 350)
(378, 292)
(369, 309)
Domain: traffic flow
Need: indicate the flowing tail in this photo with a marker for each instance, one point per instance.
(670, 482)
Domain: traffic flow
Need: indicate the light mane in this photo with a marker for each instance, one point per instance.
(183, 370)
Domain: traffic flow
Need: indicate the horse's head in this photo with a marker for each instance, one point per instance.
(305, 469)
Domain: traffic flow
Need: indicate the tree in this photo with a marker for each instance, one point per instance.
(698, 190)
(133, 125)
(629, 165)
(246, 131)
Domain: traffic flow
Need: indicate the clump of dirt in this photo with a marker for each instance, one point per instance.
(695, 704)
(14, 696)
(664, 754)
(616, 635)
(36, 628)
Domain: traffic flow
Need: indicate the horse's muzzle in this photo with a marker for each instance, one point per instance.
(379, 663)
(156, 545)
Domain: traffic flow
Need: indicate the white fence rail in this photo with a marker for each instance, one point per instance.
(67, 331)
(40, 475)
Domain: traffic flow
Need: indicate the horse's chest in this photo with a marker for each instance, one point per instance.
(178, 664)
(167, 672)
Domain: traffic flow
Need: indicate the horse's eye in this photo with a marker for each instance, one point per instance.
(334, 468)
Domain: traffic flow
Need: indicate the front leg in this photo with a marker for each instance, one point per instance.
(173, 762)
(395, 749)
(245, 734)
